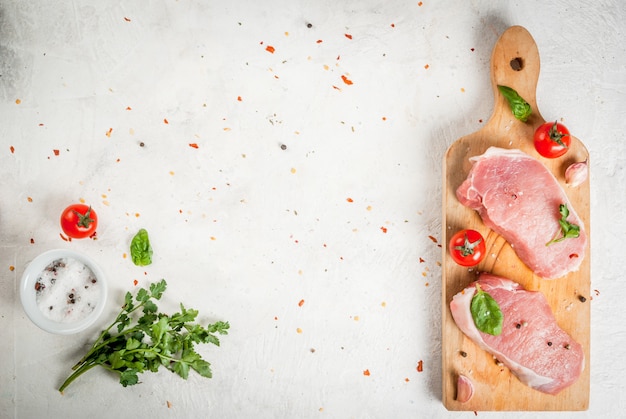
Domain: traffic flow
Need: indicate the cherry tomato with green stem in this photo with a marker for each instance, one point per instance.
(79, 221)
(467, 247)
(552, 139)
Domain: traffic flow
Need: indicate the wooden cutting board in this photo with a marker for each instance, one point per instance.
(514, 63)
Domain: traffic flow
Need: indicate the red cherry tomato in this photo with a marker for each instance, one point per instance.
(552, 139)
(467, 247)
(79, 221)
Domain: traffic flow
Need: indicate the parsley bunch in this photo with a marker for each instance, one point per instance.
(154, 340)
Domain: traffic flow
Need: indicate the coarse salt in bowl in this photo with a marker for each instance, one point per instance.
(63, 291)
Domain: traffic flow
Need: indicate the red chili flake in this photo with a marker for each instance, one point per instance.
(383, 229)
(41, 125)
(366, 373)
(12, 149)
(472, 49)
(270, 49)
(29, 199)
(349, 199)
(319, 41)
(165, 121)
(336, 88)
(420, 366)
(193, 145)
(426, 66)
(67, 239)
(239, 98)
(480, 121)
(338, 57)
(32, 241)
(127, 19)
(406, 379)
(393, 25)
(135, 282)
(346, 80)
(108, 133)
(422, 260)
(573, 255)
(433, 239)
(56, 152)
(301, 303)
(128, 108)
(347, 35)
(420, 4)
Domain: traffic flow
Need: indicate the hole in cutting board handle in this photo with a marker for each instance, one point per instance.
(517, 63)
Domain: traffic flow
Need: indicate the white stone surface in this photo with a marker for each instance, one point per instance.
(242, 229)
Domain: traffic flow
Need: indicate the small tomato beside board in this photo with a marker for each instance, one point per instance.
(467, 247)
(79, 221)
(552, 139)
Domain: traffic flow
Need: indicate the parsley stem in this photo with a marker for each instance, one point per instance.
(101, 342)
(83, 369)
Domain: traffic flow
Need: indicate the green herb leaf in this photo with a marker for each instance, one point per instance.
(519, 107)
(486, 313)
(151, 341)
(129, 377)
(140, 249)
(203, 368)
(569, 230)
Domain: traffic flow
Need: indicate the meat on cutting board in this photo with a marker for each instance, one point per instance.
(519, 198)
(532, 345)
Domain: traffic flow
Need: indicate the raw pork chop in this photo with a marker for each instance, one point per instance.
(531, 344)
(518, 198)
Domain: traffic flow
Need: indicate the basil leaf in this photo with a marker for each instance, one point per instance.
(486, 313)
(520, 108)
(140, 249)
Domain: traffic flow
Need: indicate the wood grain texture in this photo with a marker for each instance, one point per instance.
(495, 387)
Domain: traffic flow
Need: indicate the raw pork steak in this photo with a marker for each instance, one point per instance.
(518, 198)
(531, 344)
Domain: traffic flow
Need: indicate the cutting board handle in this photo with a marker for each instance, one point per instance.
(515, 63)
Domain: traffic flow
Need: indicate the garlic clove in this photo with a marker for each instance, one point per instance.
(464, 389)
(576, 173)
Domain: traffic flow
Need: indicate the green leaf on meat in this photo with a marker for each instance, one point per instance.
(486, 312)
